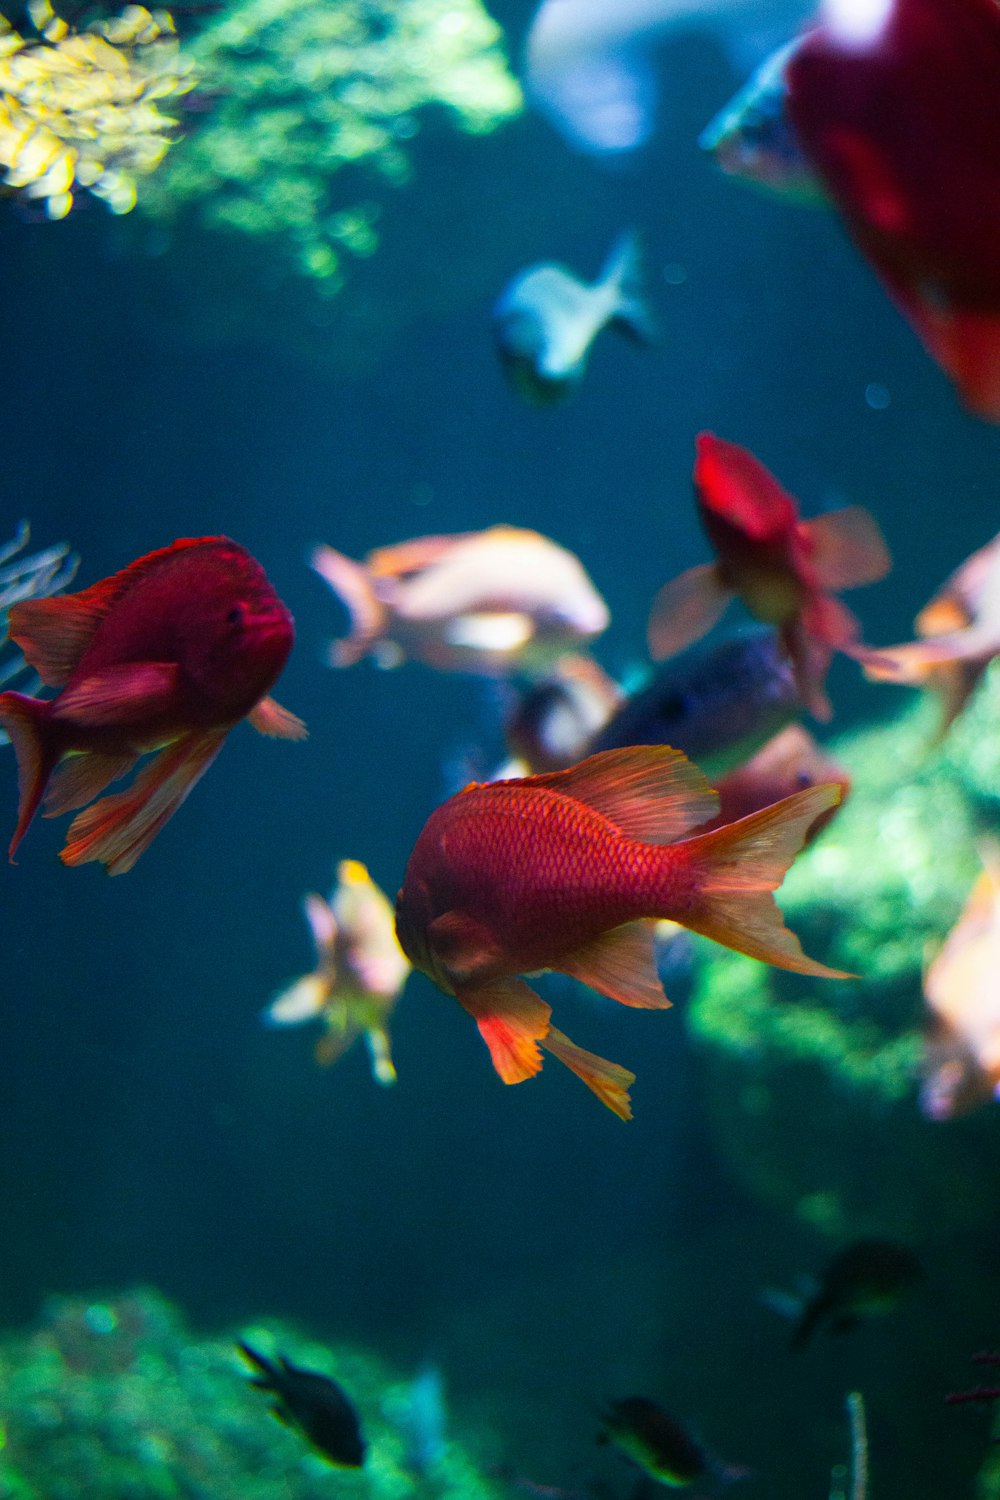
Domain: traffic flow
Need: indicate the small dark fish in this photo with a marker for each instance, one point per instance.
(719, 705)
(313, 1405)
(865, 1280)
(659, 1445)
(546, 320)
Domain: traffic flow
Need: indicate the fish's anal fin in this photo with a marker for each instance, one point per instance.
(131, 693)
(78, 779)
(741, 864)
(607, 1080)
(117, 829)
(649, 792)
(622, 965)
(512, 1020)
(277, 723)
(685, 609)
(848, 548)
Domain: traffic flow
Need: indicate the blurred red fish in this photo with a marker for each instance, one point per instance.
(165, 656)
(782, 568)
(903, 128)
(570, 871)
(790, 761)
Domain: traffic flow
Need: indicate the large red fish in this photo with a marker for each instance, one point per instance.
(165, 656)
(903, 128)
(570, 871)
(782, 568)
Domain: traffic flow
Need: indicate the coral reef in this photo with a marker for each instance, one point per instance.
(304, 89)
(875, 895)
(114, 1398)
(80, 109)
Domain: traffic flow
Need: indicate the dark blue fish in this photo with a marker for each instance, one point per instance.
(547, 319)
(719, 705)
(313, 1405)
(864, 1280)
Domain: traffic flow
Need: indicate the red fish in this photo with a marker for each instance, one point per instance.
(789, 761)
(782, 568)
(165, 656)
(570, 871)
(903, 129)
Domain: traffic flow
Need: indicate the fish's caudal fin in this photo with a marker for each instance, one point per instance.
(737, 868)
(606, 1079)
(351, 582)
(623, 272)
(24, 719)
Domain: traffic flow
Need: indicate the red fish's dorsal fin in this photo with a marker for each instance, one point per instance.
(117, 829)
(621, 964)
(512, 1019)
(606, 1079)
(685, 609)
(740, 864)
(732, 483)
(848, 548)
(649, 792)
(54, 633)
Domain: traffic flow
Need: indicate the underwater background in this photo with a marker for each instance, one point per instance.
(153, 1133)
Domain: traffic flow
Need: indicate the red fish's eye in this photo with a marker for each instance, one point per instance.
(236, 615)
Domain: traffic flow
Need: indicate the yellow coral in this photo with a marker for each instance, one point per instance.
(78, 108)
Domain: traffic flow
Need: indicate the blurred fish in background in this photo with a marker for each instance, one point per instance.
(784, 569)
(590, 65)
(37, 576)
(660, 1446)
(866, 1279)
(554, 721)
(312, 1404)
(789, 762)
(359, 975)
(960, 635)
(497, 602)
(961, 1066)
(547, 319)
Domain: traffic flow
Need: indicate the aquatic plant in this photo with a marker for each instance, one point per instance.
(113, 1396)
(875, 895)
(304, 89)
(80, 109)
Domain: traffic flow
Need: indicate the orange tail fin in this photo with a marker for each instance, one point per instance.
(25, 720)
(740, 864)
(606, 1079)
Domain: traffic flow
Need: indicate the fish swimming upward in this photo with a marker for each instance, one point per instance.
(900, 122)
(313, 1405)
(165, 656)
(496, 602)
(784, 569)
(570, 871)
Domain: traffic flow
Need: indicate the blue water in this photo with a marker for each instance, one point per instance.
(150, 1129)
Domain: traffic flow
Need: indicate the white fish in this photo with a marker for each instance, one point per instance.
(589, 64)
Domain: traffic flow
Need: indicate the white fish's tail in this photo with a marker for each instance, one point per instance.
(623, 273)
(351, 582)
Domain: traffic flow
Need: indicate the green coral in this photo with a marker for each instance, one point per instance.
(114, 1398)
(304, 89)
(875, 895)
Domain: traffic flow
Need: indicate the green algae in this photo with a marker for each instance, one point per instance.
(313, 106)
(114, 1399)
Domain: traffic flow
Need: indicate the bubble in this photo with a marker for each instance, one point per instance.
(877, 396)
(674, 274)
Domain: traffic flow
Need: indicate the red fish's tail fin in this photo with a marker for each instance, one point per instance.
(25, 720)
(739, 865)
(352, 584)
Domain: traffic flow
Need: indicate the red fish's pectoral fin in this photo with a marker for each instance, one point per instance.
(352, 584)
(117, 829)
(24, 720)
(848, 548)
(465, 947)
(650, 792)
(685, 609)
(132, 693)
(512, 1020)
(740, 864)
(278, 723)
(607, 1080)
(622, 965)
(78, 779)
